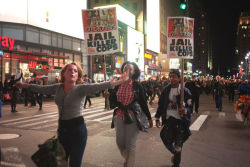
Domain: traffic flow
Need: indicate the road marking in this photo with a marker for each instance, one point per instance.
(93, 111)
(100, 113)
(32, 119)
(103, 118)
(10, 157)
(37, 123)
(198, 122)
(45, 126)
(8, 164)
(18, 119)
(222, 114)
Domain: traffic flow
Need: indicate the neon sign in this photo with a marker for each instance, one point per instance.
(7, 42)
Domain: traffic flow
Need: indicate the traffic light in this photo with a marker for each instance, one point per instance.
(183, 5)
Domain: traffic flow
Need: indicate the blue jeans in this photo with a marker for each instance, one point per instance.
(218, 100)
(73, 140)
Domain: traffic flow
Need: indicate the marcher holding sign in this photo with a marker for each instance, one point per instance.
(175, 102)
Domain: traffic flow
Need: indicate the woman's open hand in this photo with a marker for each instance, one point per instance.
(124, 78)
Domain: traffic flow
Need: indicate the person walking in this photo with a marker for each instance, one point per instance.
(70, 95)
(14, 91)
(87, 99)
(195, 88)
(175, 117)
(39, 96)
(124, 99)
(219, 89)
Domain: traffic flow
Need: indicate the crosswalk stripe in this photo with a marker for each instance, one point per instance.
(92, 111)
(35, 119)
(45, 126)
(18, 119)
(37, 123)
(98, 114)
(198, 122)
(103, 118)
(8, 164)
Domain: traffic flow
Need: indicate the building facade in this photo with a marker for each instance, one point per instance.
(37, 51)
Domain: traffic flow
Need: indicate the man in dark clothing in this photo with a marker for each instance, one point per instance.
(156, 89)
(219, 89)
(87, 99)
(176, 118)
(39, 96)
(231, 90)
(32, 95)
(195, 88)
(14, 91)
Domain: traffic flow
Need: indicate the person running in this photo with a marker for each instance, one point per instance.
(124, 99)
(70, 95)
(175, 118)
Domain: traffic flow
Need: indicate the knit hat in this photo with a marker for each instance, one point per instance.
(175, 71)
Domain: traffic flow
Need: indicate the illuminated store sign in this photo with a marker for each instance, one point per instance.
(7, 42)
(135, 45)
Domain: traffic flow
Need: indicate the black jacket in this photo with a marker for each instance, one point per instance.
(164, 101)
(139, 96)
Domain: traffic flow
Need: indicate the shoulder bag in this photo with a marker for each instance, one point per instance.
(50, 154)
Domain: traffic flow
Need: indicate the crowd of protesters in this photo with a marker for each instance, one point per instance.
(218, 87)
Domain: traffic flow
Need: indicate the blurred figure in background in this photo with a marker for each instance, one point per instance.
(14, 91)
(87, 99)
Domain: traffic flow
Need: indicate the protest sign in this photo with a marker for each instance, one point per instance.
(101, 31)
(180, 42)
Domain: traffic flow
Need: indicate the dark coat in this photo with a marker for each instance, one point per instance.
(139, 96)
(163, 104)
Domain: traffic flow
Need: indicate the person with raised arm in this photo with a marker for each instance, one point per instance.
(70, 96)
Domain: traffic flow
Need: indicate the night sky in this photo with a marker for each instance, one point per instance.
(223, 18)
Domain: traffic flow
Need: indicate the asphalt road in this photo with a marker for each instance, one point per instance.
(219, 139)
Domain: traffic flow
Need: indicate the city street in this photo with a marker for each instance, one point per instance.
(219, 139)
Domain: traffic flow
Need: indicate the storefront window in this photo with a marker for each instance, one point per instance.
(6, 66)
(45, 38)
(61, 64)
(76, 45)
(56, 62)
(70, 59)
(32, 35)
(13, 32)
(77, 60)
(59, 41)
(14, 68)
(67, 43)
(54, 40)
(25, 70)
